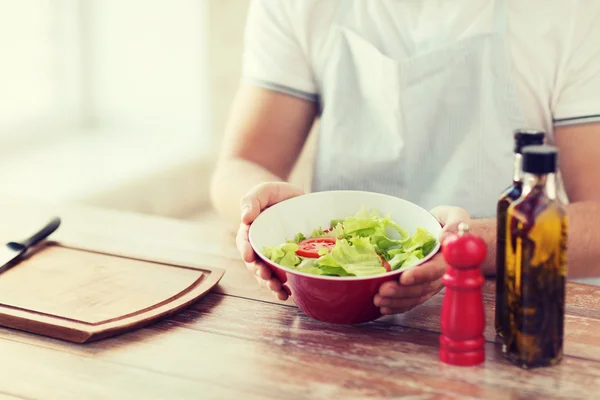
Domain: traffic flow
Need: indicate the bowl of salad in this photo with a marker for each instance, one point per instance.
(334, 249)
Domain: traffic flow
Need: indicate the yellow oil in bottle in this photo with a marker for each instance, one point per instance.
(536, 251)
(522, 138)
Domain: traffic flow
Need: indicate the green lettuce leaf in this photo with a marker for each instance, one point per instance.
(412, 259)
(284, 255)
(310, 266)
(421, 239)
(404, 260)
(317, 232)
(361, 240)
(357, 258)
(298, 238)
(336, 231)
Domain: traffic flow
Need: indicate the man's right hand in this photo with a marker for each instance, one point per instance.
(252, 204)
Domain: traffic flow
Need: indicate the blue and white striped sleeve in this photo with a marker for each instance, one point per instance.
(578, 96)
(273, 57)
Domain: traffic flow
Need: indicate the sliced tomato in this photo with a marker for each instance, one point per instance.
(385, 264)
(309, 248)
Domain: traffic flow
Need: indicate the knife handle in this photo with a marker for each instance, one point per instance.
(42, 234)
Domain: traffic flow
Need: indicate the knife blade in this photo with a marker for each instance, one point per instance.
(13, 251)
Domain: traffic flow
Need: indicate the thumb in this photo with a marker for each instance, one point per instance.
(265, 195)
(450, 217)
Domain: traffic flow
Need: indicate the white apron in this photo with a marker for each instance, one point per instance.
(435, 129)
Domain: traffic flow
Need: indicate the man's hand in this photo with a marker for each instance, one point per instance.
(419, 284)
(259, 198)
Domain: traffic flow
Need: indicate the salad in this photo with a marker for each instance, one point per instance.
(360, 245)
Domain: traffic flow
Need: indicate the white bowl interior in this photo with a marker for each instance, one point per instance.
(305, 213)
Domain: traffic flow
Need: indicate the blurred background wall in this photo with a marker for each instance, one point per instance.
(118, 103)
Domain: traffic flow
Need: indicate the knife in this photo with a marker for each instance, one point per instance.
(13, 251)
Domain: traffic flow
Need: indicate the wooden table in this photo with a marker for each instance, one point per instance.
(241, 343)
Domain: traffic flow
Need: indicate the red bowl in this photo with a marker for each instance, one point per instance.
(337, 300)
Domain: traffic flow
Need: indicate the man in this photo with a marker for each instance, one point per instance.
(417, 99)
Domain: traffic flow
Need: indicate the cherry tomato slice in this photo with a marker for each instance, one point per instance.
(385, 264)
(309, 248)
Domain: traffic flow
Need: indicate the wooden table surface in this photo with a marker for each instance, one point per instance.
(241, 343)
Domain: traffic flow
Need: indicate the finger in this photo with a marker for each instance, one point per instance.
(408, 293)
(274, 285)
(449, 230)
(261, 282)
(262, 271)
(447, 215)
(252, 268)
(286, 289)
(265, 195)
(403, 306)
(243, 245)
(279, 291)
(256, 268)
(450, 218)
(281, 295)
(394, 289)
(431, 271)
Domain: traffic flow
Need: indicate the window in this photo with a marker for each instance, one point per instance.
(148, 65)
(98, 96)
(39, 82)
(128, 67)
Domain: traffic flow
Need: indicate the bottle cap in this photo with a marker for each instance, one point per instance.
(540, 159)
(528, 137)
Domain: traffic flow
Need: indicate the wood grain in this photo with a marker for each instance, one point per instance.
(82, 296)
(243, 343)
(265, 350)
(385, 350)
(581, 339)
(39, 373)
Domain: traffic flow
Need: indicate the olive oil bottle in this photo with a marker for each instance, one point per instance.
(536, 266)
(522, 138)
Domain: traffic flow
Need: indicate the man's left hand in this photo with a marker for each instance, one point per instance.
(419, 284)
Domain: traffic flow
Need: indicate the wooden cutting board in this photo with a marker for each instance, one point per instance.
(81, 295)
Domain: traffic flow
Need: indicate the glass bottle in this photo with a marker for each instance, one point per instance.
(522, 138)
(536, 266)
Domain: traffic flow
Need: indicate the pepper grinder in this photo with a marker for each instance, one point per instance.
(462, 315)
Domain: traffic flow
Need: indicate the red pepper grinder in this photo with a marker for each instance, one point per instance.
(462, 317)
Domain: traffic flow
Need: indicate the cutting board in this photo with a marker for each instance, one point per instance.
(80, 295)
